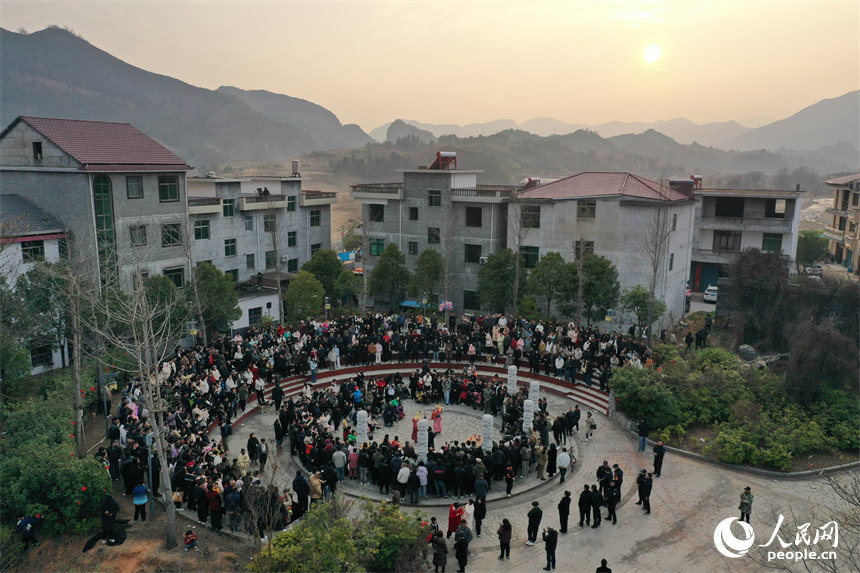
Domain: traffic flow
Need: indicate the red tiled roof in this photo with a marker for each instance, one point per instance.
(105, 143)
(598, 184)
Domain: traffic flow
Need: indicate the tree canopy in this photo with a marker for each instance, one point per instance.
(219, 300)
(496, 281)
(390, 275)
(304, 296)
(427, 276)
(811, 246)
(326, 266)
(548, 278)
(638, 300)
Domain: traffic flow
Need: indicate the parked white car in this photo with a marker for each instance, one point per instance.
(711, 294)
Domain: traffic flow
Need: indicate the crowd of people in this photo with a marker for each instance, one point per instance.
(210, 386)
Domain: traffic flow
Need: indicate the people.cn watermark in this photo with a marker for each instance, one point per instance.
(798, 550)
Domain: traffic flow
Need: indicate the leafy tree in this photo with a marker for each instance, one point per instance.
(811, 246)
(219, 300)
(602, 288)
(756, 293)
(41, 291)
(639, 301)
(326, 266)
(304, 296)
(390, 275)
(496, 281)
(347, 285)
(548, 278)
(16, 328)
(163, 293)
(427, 276)
(351, 240)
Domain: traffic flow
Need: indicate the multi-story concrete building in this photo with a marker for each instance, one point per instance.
(843, 234)
(29, 235)
(635, 223)
(444, 207)
(118, 193)
(729, 221)
(441, 207)
(259, 229)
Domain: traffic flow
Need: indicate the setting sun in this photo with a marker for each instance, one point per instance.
(652, 53)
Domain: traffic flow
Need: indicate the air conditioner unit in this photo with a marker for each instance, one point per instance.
(482, 260)
(284, 258)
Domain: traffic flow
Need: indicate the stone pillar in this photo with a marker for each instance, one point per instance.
(421, 448)
(534, 390)
(512, 379)
(361, 428)
(528, 415)
(487, 444)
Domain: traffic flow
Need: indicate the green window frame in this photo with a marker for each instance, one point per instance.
(255, 316)
(103, 207)
(771, 242)
(473, 253)
(434, 198)
(413, 247)
(292, 265)
(228, 207)
(271, 259)
(434, 235)
(316, 218)
(586, 209)
(168, 188)
(531, 256)
(249, 223)
(292, 238)
(376, 247)
(137, 235)
(315, 247)
(201, 230)
(291, 203)
(134, 187)
(176, 275)
(171, 235)
(229, 247)
(250, 261)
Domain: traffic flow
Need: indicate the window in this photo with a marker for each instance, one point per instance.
(103, 207)
(376, 247)
(434, 198)
(292, 265)
(531, 256)
(674, 221)
(32, 251)
(228, 207)
(249, 261)
(775, 208)
(727, 241)
(413, 247)
(229, 247)
(171, 235)
(168, 188)
(413, 213)
(42, 356)
(474, 216)
(315, 247)
(201, 230)
(176, 275)
(729, 207)
(531, 216)
(434, 236)
(586, 209)
(855, 200)
(851, 228)
(249, 223)
(268, 223)
(771, 242)
(138, 235)
(291, 203)
(470, 300)
(473, 253)
(671, 261)
(377, 213)
(292, 238)
(37, 150)
(233, 273)
(63, 247)
(315, 218)
(271, 259)
(577, 247)
(134, 186)
(255, 316)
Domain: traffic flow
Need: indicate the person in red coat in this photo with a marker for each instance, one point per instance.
(455, 516)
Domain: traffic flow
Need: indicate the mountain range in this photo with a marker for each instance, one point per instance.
(58, 74)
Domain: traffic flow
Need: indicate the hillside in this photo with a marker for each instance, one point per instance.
(399, 129)
(822, 124)
(55, 73)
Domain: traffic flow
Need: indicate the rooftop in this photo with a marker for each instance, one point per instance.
(767, 193)
(844, 180)
(603, 184)
(20, 217)
(105, 145)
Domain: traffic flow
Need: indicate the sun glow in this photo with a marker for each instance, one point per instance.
(652, 54)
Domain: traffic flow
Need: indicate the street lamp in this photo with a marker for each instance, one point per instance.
(327, 307)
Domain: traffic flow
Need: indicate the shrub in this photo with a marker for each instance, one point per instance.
(735, 447)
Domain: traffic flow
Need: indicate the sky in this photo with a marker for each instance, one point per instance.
(471, 62)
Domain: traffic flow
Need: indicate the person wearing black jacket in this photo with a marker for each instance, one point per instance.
(644, 430)
(303, 493)
(659, 452)
(596, 505)
(550, 539)
(480, 514)
(613, 496)
(646, 494)
(639, 481)
(277, 396)
(564, 511)
(108, 509)
(584, 505)
(535, 515)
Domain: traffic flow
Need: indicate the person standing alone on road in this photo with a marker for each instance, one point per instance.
(564, 511)
(659, 452)
(646, 494)
(550, 539)
(746, 504)
(535, 515)
(584, 505)
(644, 430)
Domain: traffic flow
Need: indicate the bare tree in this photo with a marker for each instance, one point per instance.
(187, 245)
(655, 251)
(519, 223)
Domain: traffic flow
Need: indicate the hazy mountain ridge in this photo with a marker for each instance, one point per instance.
(54, 73)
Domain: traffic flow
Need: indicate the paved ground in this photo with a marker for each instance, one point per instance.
(688, 501)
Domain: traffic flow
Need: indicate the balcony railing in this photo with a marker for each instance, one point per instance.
(264, 198)
(310, 198)
(765, 221)
(203, 201)
(378, 188)
(717, 252)
(484, 193)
